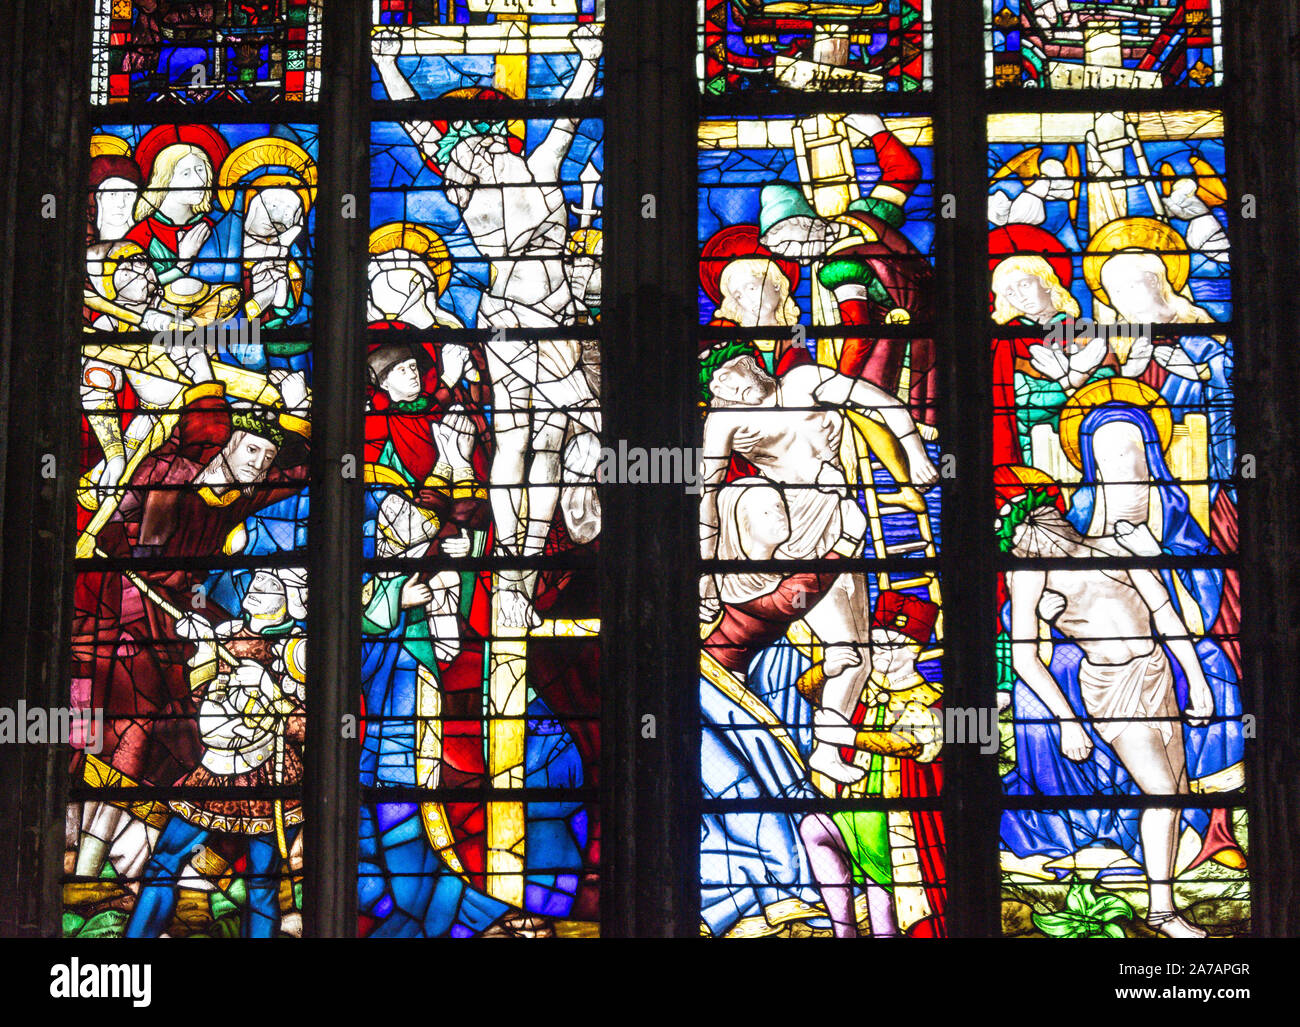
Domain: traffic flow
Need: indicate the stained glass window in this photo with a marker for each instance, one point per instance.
(820, 605)
(480, 648)
(852, 46)
(1104, 44)
(899, 725)
(1118, 636)
(512, 48)
(190, 603)
(180, 54)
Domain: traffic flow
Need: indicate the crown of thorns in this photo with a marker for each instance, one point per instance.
(1020, 510)
(458, 131)
(256, 424)
(713, 359)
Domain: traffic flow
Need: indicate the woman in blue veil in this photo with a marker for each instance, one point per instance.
(1179, 533)
(1214, 752)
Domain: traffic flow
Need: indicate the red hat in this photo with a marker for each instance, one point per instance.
(736, 242)
(906, 614)
(112, 165)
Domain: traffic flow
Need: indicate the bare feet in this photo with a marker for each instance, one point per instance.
(826, 759)
(833, 728)
(515, 610)
(1172, 925)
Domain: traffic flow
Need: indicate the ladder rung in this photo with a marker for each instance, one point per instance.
(912, 582)
(907, 547)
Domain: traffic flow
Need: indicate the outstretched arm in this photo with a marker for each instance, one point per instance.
(385, 46)
(840, 390)
(544, 162)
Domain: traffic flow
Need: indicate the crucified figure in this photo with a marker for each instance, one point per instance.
(514, 209)
(790, 428)
(1118, 618)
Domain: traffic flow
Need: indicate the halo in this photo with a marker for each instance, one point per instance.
(118, 252)
(1136, 235)
(105, 145)
(1008, 241)
(1128, 391)
(262, 153)
(157, 139)
(737, 242)
(418, 239)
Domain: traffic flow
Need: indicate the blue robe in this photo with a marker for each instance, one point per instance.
(1043, 770)
(403, 881)
(1181, 535)
(750, 861)
(1213, 398)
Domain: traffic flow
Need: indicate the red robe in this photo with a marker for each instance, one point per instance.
(747, 627)
(413, 444)
(908, 279)
(124, 645)
(155, 229)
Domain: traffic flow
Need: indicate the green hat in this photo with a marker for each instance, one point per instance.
(853, 271)
(888, 212)
(780, 201)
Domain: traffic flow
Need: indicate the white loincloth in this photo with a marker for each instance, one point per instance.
(815, 522)
(1116, 695)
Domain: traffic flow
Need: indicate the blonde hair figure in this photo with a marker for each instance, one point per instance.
(1145, 267)
(159, 187)
(1016, 267)
(772, 305)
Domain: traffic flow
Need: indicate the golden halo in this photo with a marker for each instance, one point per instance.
(102, 144)
(1136, 234)
(1112, 390)
(418, 239)
(108, 266)
(282, 182)
(263, 153)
